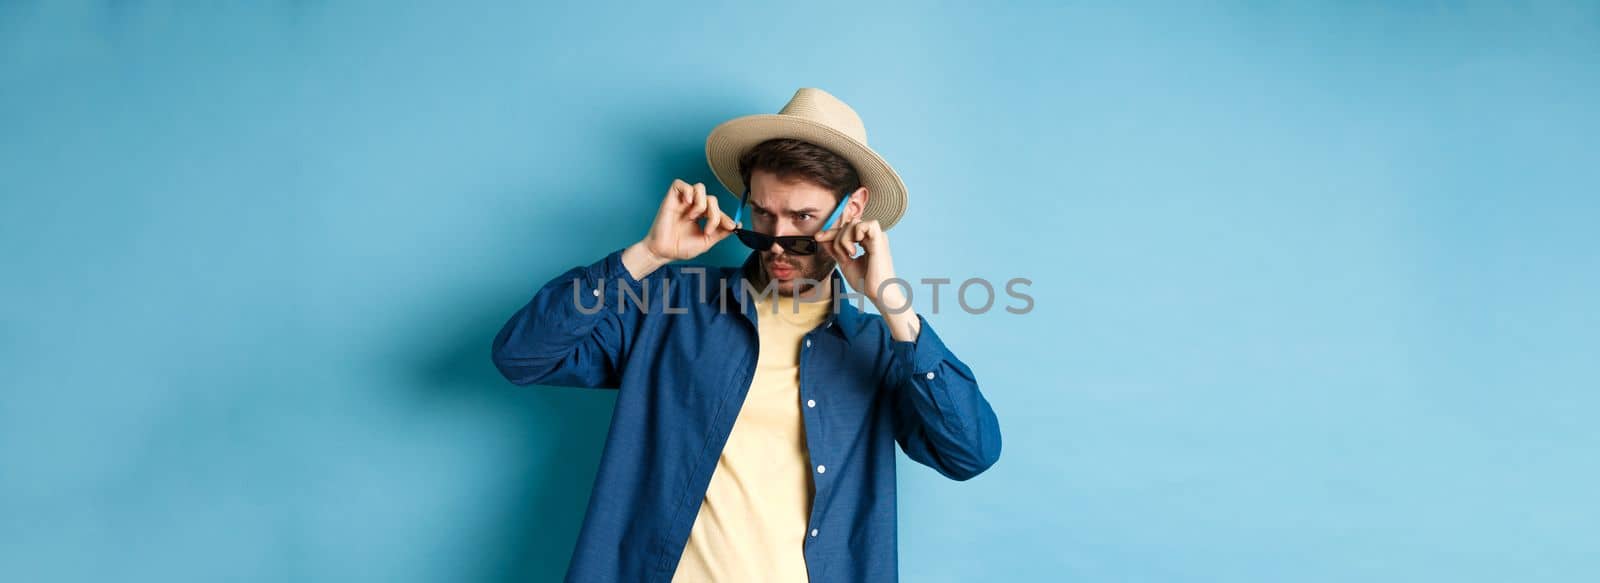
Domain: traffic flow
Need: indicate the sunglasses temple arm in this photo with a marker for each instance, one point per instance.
(740, 212)
(839, 210)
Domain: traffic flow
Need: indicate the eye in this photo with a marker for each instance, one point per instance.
(805, 216)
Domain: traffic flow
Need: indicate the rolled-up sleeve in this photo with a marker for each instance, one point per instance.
(576, 330)
(942, 419)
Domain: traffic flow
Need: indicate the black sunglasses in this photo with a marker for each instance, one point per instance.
(792, 244)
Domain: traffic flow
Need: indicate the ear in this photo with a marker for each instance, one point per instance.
(858, 203)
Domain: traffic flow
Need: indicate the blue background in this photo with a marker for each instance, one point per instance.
(1315, 285)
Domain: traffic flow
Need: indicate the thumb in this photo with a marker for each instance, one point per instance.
(724, 227)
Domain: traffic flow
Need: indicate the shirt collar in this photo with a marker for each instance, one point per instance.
(845, 322)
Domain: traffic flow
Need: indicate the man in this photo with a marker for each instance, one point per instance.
(758, 409)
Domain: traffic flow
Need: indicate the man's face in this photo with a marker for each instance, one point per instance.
(800, 207)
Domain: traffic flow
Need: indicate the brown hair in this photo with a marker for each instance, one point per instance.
(792, 159)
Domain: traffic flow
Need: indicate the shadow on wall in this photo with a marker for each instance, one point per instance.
(563, 429)
(559, 434)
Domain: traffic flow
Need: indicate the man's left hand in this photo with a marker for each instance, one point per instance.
(868, 272)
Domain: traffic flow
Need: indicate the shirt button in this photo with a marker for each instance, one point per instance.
(597, 293)
(813, 533)
(808, 343)
(811, 403)
(822, 469)
(930, 375)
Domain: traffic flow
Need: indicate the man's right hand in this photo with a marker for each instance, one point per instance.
(675, 235)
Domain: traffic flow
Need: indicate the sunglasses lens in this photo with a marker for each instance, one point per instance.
(754, 240)
(763, 242)
(801, 246)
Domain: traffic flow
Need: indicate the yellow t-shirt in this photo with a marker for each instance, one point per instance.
(752, 523)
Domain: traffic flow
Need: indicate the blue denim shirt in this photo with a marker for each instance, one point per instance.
(682, 368)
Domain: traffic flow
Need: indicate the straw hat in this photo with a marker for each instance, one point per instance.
(816, 117)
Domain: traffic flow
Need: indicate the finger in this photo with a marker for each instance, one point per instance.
(697, 208)
(722, 233)
(726, 228)
(680, 191)
(714, 216)
(827, 235)
(833, 253)
(688, 197)
(831, 239)
(712, 211)
(673, 197)
(872, 236)
(851, 237)
(824, 242)
(728, 224)
(860, 235)
(842, 244)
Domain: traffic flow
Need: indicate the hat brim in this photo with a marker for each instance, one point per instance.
(886, 192)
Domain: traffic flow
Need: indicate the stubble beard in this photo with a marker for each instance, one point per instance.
(814, 270)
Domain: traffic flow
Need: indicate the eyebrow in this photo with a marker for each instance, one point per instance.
(791, 211)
